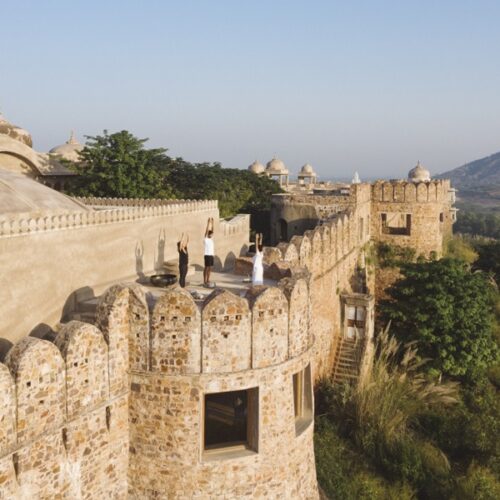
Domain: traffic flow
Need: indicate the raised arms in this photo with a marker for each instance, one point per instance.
(210, 226)
(258, 242)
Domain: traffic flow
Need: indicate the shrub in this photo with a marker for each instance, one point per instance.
(447, 309)
(381, 413)
(345, 473)
(478, 484)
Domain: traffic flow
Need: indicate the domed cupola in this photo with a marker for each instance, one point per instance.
(17, 133)
(419, 174)
(276, 166)
(307, 174)
(69, 150)
(307, 170)
(256, 168)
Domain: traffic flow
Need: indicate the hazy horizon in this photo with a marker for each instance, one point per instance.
(371, 87)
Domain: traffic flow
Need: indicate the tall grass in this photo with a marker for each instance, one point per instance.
(380, 414)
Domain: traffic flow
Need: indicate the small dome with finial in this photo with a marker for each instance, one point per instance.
(307, 170)
(69, 150)
(256, 167)
(276, 166)
(356, 179)
(419, 174)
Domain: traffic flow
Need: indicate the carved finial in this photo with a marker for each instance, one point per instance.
(72, 139)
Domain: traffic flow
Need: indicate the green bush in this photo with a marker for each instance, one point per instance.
(447, 309)
(478, 484)
(346, 474)
(393, 255)
(460, 249)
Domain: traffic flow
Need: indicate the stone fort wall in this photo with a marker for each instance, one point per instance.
(429, 206)
(333, 253)
(64, 425)
(116, 409)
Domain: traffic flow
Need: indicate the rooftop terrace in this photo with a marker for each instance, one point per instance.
(234, 283)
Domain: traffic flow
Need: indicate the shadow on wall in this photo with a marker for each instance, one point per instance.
(139, 260)
(285, 230)
(5, 345)
(71, 304)
(160, 258)
(230, 259)
(44, 332)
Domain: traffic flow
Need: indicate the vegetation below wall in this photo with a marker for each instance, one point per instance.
(416, 428)
(476, 223)
(118, 165)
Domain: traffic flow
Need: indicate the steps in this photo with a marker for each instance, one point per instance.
(347, 361)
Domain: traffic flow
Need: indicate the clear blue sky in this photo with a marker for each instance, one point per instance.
(371, 86)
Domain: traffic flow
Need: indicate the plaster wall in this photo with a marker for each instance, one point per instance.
(80, 254)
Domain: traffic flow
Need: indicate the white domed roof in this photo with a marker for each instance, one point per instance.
(21, 194)
(419, 174)
(69, 150)
(256, 167)
(276, 166)
(15, 132)
(307, 170)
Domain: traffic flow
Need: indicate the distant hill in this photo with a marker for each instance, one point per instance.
(483, 172)
(478, 184)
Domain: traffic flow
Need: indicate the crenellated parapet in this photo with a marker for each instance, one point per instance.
(322, 248)
(400, 191)
(417, 215)
(225, 333)
(46, 385)
(236, 225)
(94, 201)
(17, 225)
(64, 427)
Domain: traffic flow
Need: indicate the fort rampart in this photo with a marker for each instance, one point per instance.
(415, 215)
(66, 252)
(139, 381)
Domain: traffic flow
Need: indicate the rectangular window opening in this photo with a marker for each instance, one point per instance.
(302, 399)
(396, 223)
(231, 421)
(355, 322)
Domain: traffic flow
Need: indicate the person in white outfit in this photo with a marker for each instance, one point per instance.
(258, 262)
(209, 251)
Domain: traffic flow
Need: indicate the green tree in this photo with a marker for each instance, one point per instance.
(237, 190)
(118, 165)
(489, 257)
(448, 310)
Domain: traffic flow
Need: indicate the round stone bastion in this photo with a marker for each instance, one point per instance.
(220, 402)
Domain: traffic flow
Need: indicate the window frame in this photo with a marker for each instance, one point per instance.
(236, 449)
(302, 399)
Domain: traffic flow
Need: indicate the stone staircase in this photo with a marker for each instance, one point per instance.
(347, 361)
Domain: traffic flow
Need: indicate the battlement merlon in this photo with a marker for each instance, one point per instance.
(401, 191)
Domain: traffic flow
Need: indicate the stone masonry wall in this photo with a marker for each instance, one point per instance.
(116, 409)
(167, 438)
(63, 427)
(429, 205)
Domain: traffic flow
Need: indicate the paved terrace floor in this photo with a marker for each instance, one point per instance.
(234, 283)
